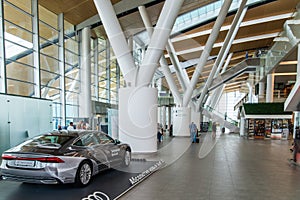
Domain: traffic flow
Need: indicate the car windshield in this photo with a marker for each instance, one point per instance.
(48, 141)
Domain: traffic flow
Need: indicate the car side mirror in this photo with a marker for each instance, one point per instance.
(117, 141)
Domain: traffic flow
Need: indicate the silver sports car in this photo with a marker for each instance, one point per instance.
(63, 157)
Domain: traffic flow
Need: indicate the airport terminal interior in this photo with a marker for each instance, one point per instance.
(205, 92)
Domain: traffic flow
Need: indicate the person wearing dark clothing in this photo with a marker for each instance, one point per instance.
(296, 148)
(159, 132)
(171, 130)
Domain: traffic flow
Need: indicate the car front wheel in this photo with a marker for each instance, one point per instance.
(84, 174)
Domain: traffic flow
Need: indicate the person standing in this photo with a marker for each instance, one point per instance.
(193, 132)
(159, 133)
(70, 127)
(214, 130)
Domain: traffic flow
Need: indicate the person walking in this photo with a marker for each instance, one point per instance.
(193, 132)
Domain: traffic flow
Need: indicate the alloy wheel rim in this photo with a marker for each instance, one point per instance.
(85, 173)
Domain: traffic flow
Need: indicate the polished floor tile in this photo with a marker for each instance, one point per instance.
(235, 169)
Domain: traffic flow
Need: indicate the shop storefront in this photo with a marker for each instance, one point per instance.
(267, 121)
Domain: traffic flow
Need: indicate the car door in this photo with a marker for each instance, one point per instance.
(108, 145)
(91, 143)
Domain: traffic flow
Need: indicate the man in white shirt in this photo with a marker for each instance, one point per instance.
(70, 127)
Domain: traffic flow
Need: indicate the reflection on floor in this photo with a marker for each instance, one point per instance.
(111, 182)
(234, 169)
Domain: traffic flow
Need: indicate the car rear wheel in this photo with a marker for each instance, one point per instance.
(127, 158)
(84, 174)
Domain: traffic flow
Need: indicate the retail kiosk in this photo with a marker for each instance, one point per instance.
(267, 121)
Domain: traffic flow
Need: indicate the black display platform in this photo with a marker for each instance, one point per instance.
(112, 182)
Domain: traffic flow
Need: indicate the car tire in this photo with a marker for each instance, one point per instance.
(126, 158)
(83, 174)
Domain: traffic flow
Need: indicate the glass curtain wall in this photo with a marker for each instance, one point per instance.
(72, 78)
(105, 74)
(20, 71)
(49, 62)
(18, 42)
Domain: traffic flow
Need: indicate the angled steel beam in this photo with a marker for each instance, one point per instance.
(117, 40)
(183, 80)
(163, 62)
(225, 48)
(158, 41)
(205, 54)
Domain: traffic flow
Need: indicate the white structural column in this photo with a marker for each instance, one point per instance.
(117, 40)
(195, 117)
(158, 41)
(107, 68)
(206, 52)
(242, 126)
(163, 62)
(2, 52)
(130, 44)
(297, 113)
(61, 56)
(85, 109)
(96, 68)
(164, 116)
(169, 116)
(224, 49)
(138, 104)
(36, 48)
(138, 118)
(250, 84)
(270, 88)
(298, 64)
(181, 121)
(261, 91)
(181, 125)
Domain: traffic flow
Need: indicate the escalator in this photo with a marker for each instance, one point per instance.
(246, 66)
(220, 118)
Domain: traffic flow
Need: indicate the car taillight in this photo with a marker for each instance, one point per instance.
(40, 159)
(50, 160)
(8, 157)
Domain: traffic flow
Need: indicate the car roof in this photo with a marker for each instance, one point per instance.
(74, 133)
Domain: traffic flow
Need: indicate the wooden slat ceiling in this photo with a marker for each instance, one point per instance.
(77, 11)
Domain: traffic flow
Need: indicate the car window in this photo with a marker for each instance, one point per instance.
(48, 140)
(78, 143)
(104, 139)
(87, 140)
